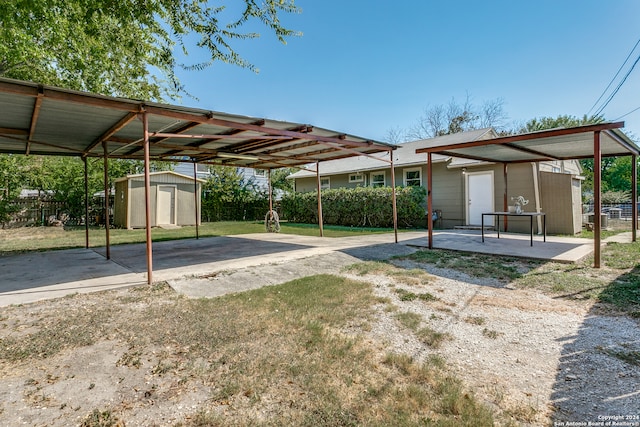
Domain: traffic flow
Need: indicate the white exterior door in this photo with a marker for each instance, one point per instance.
(479, 196)
(166, 205)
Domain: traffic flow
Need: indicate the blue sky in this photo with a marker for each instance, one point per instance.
(365, 67)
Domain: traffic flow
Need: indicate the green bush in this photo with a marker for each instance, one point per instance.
(357, 207)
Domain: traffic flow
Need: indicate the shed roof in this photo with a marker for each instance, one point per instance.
(178, 176)
(39, 119)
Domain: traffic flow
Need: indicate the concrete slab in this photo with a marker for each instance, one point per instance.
(558, 249)
(273, 271)
(35, 276)
(44, 275)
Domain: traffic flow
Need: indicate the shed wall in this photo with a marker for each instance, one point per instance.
(558, 192)
(120, 205)
(185, 203)
(520, 182)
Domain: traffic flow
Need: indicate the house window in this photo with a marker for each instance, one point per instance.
(412, 177)
(356, 177)
(260, 172)
(325, 183)
(377, 179)
(555, 169)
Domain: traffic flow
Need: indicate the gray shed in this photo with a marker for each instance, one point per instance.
(173, 200)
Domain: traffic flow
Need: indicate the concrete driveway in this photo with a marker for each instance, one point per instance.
(42, 275)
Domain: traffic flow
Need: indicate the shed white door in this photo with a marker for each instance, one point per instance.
(479, 196)
(166, 205)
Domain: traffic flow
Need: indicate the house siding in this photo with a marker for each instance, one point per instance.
(449, 190)
(449, 194)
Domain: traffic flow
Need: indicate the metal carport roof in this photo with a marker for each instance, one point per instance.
(553, 144)
(46, 120)
(582, 142)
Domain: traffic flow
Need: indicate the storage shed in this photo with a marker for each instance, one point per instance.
(173, 200)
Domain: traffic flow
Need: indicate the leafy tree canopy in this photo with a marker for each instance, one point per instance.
(545, 123)
(127, 48)
(228, 185)
(279, 179)
(616, 171)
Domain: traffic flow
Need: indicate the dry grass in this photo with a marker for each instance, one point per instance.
(616, 285)
(293, 354)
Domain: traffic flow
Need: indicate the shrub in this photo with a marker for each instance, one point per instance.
(357, 207)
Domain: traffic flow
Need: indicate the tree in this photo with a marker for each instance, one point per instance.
(279, 179)
(615, 171)
(229, 195)
(451, 118)
(562, 121)
(394, 136)
(13, 170)
(227, 185)
(127, 48)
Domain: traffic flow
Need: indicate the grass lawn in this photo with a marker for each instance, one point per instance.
(46, 238)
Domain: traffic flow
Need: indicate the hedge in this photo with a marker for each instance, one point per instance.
(357, 207)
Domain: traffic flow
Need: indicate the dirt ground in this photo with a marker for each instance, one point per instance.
(536, 358)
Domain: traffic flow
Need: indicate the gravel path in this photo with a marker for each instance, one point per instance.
(529, 355)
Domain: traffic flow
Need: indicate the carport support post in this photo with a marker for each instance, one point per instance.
(196, 196)
(505, 202)
(634, 197)
(597, 203)
(106, 198)
(429, 200)
(393, 197)
(270, 193)
(319, 199)
(86, 203)
(147, 196)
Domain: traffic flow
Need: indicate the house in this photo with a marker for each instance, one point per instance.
(175, 200)
(463, 189)
(257, 176)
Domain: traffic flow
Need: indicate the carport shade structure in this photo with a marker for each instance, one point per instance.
(583, 142)
(46, 120)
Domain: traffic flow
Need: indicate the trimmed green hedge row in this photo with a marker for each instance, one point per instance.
(357, 207)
